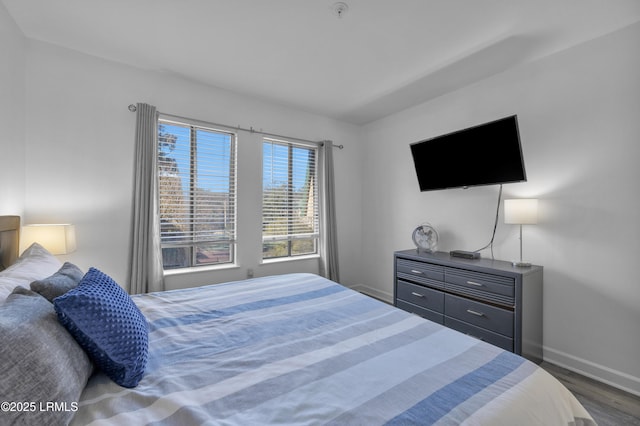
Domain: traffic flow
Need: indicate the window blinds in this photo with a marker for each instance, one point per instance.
(289, 199)
(197, 191)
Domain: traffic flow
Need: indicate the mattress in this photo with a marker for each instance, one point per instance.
(298, 349)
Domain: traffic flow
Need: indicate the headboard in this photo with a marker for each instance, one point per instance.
(9, 240)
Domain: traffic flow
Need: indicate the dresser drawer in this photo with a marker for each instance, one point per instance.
(421, 296)
(424, 273)
(496, 339)
(437, 317)
(489, 299)
(488, 317)
(493, 288)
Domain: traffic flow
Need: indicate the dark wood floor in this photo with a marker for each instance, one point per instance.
(607, 405)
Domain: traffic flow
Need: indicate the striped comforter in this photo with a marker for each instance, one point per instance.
(299, 349)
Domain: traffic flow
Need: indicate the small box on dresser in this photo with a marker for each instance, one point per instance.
(489, 299)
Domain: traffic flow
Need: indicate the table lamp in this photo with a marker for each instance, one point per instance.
(522, 211)
(56, 238)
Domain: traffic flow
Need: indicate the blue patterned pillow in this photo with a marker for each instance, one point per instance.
(108, 325)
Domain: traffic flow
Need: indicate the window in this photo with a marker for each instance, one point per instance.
(197, 193)
(289, 200)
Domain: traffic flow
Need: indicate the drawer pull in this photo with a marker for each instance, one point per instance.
(479, 314)
(475, 283)
(417, 294)
(415, 271)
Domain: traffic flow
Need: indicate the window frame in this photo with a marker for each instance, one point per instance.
(232, 176)
(291, 238)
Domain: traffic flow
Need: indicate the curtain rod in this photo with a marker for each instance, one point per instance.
(133, 108)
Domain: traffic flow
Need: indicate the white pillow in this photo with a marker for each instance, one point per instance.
(7, 285)
(35, 263)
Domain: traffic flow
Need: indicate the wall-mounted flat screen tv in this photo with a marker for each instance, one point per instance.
(486, 154)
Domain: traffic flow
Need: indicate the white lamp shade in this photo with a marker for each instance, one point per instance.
(56, 238)
(522, 211)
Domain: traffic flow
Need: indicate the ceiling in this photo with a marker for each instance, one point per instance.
(378, 58)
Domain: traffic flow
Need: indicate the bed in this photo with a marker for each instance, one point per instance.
(288, 349)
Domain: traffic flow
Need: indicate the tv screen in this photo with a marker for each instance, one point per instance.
(486, 154)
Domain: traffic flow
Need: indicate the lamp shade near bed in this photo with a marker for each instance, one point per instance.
(56, 238)
(522, 211)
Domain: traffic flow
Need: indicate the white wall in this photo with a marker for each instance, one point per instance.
(12, 93)
(80, 138)
(578, 114)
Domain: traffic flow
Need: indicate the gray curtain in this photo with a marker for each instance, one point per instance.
(329, 240)
(145, 272)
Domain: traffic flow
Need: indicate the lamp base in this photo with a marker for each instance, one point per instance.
(521, 264)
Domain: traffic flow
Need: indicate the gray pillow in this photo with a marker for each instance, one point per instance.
(39, 360)
(33, 264)
(67, 277)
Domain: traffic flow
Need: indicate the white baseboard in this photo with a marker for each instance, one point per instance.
(373, 292)
(617, 379)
